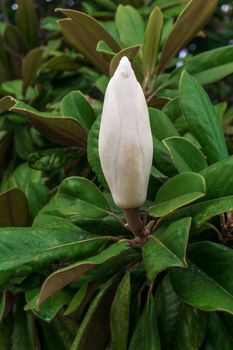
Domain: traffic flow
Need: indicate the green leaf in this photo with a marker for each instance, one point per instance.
(145, 335)
(26, 22)
(166, 248)
(119, 317)
(76, 301)
(62, 130)
(129, 52)
(31, 183)
(6, 333)
(54, 158)
(30, 64)
(58, 333)
(191, 20)
(51, 306)
(210, 66)
(23, 142)
(110, 268)
(220, 109)
(75, 105)
(129, 25)
(50, 23)
(152, 41)
(202, 119)
(13, 208)
(204, 211)
(162, 159)
(181, 326)
(94, 329)
(24, 249)
(105, 50)
(93, 152)
(186, 156)
(20, 338)
(79, 196)
(172, 109)
(62, 277)
(206, 285)
(84, 33)
(161, 126)
(180, 190)
(218, 177)
(62, 62)
(218, 337)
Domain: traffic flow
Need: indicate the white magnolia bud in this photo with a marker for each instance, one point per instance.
(125, 140)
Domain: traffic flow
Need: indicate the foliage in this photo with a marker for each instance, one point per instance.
(71, 274)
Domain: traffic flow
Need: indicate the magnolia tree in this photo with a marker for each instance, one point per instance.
(116, 193)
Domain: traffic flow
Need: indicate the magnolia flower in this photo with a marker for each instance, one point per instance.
(125, 140)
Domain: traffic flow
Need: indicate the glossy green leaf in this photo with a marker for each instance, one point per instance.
(30, 64)
(54, 158)
(62, 130)
(218, 177)
(13, 208)
(26, 22)
(181, 326)
(51, 306)
(129, 25)
(161, 126)
(180, 190)
(62, 277)
(201, 118)
(166, 248)
(75, 105)
(79, 196)
(24, 250)
(145, 335)
(206, 285)
(119, 317)
(152, 41)
(93, 152)
(190, 21)
(186, 156)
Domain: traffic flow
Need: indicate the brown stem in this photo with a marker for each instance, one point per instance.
(134, 222)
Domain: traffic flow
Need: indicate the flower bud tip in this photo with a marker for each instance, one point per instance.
(124, 67)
